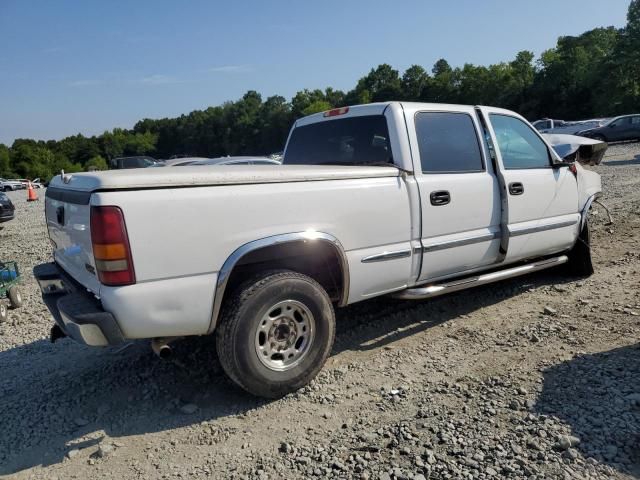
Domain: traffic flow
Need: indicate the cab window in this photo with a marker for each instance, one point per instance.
(448, 143)
(518, 143)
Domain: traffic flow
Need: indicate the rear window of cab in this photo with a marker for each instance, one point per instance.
(362, 140)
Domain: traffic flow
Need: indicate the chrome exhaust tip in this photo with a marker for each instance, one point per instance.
(161, 347)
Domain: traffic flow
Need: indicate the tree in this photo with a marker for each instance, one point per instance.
(379, 85)
(442, 87)
(414, 80)
(5, 162)
(97, 163)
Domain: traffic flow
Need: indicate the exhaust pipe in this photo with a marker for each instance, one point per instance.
(161, 347)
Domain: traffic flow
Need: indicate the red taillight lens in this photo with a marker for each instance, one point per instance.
(111, 249)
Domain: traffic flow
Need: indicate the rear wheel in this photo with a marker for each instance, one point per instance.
(580, 262)
(15, 297)
(276, 334)
(4, 313)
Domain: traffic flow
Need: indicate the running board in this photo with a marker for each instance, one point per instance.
(435, 290)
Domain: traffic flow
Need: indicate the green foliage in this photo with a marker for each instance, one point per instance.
(590, 75)
(97, 163)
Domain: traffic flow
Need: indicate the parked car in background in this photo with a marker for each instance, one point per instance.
(178, 161)
(10, 185)
(142, 161)
(547, 125)
(409, 199)
(7, 210)
(34, 183)
(625, 127)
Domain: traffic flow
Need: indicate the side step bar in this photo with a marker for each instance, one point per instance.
(438, 289)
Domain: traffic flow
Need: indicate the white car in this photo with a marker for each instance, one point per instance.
(405, 199)
(10, 185)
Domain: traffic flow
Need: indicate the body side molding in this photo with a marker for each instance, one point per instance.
(236, 256)
(516, 232)
(381, 257)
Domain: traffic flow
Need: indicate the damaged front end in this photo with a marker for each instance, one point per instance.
(572, 148)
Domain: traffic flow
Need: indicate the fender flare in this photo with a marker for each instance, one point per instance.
(309, 236)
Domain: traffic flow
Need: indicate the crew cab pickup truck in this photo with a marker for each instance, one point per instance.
(405, 199)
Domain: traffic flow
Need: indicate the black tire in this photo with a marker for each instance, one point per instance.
(580, 263)
(243, 315)
(4, 313)
(15, 298)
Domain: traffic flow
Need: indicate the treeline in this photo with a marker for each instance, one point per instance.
(595, 74)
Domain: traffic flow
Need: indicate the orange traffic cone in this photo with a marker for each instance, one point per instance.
(31, 193)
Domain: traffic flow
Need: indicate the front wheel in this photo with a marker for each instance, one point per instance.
(580, 262)
(276, 333)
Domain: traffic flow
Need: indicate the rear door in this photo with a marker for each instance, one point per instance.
(542, 198)
(459, 195)
(68, 221)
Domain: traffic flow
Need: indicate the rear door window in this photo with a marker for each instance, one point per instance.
(448, 143)
(519, 145)
(360, 140)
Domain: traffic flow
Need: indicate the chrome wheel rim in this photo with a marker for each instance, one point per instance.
(284, 335)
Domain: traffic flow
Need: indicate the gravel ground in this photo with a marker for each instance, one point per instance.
(536, 377)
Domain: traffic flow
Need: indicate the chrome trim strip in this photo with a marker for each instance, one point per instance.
(382, 257)
(234, 258)
(541, 228)
(460, 242)
(438, 289)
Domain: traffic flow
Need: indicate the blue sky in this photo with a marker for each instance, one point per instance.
(89, 65)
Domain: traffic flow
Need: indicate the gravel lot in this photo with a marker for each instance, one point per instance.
(537, 377)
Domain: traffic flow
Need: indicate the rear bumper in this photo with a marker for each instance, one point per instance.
(6, 216)
(77, 312)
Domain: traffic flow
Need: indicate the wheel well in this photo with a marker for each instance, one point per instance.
(318, 260)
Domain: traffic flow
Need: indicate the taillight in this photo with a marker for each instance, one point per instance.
(111, 249)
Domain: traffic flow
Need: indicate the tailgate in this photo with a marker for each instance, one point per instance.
(68, 220)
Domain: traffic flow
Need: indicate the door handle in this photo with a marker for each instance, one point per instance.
(440, 197)
(516, 188)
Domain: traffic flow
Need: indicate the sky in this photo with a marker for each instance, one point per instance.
(87, 66)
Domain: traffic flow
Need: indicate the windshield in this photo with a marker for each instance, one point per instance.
(349, 141)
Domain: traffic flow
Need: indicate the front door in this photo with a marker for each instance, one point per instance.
(542, 197)
(459, 195)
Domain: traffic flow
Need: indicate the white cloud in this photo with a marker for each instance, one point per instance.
(159, 80)
(232, 69)
(85, 83)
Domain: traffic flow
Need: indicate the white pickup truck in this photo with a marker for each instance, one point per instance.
(409, 199)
